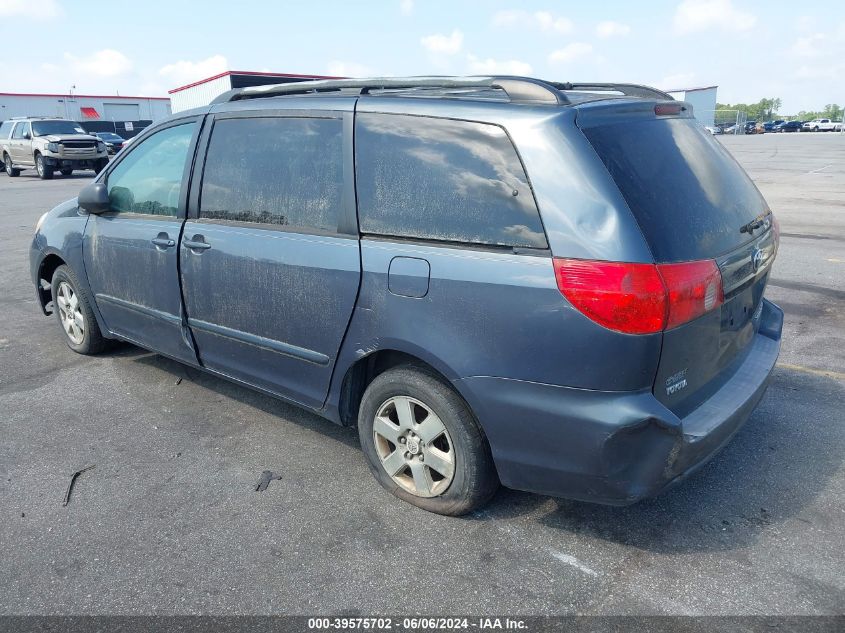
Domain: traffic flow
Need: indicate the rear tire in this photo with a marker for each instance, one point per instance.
(439, 459)
(12, 172)
(44, 172)
(74, 314)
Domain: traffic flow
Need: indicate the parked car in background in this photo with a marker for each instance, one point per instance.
(789, 126)
(714, 129)
(114, 142)
(751, 128)
(49, 145)
(822, 125)
(492, 290)
(769, 126)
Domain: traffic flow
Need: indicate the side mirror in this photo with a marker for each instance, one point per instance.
(27, 136)
(94, 198)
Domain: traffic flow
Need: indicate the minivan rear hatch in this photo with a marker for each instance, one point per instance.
(692, 202)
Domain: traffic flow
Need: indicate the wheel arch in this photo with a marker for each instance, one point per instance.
(358, 374)
(49, 263)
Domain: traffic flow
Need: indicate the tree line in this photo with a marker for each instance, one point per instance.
(767, 110)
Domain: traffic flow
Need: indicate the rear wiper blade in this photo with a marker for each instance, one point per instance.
(752, 226)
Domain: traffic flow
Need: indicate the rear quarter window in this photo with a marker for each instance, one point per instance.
(6, 129)
(441, 179)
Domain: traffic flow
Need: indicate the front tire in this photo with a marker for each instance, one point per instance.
(44, 172)
(101, 164)
(74, 314)
(423, 444)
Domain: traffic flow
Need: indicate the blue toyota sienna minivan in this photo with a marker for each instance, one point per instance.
(556, 287)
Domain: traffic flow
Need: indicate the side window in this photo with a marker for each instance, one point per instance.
(149, 179)
(20, 130)
(275, 170)
(440, 179)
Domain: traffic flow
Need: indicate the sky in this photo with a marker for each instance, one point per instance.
(750, 48)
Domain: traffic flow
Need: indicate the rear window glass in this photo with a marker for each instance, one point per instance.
(688, 194)
(440, 179)
(284, 171)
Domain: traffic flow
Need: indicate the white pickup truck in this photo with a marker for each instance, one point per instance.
(822, 125)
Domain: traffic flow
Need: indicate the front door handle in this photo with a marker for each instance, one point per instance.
(162, 240)
(198, 243)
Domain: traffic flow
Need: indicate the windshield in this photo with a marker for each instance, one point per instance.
(43, 128)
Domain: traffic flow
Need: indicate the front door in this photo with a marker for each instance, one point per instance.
(270, 269)
(131, 251)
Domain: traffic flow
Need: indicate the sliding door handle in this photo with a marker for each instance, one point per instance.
(196, 244)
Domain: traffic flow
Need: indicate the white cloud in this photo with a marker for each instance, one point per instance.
(805, 23)
(818, 72)
(542, 20)
(676, 81)
(809, 46)
(702, 15)
(406, 7)
(184, 72)
(340, 68)
(570, 52)
(609, 28)
(444, 44)
(105, 63)
(490, 66)
(42, 9)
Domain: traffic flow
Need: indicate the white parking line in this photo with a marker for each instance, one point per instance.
(815, 171)
(571, 560)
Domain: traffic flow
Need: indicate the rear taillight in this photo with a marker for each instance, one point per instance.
(625, 297)
(640, 298)
(776, 232)
(692, 288)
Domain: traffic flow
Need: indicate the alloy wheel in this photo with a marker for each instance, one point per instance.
(70, 313)
(414, 446)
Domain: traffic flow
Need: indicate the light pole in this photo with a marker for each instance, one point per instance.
(70, 98)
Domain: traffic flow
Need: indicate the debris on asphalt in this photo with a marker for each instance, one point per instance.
(266, 477)
(178, 381)
(72, 481)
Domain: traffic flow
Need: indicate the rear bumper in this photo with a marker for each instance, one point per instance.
(614, 447)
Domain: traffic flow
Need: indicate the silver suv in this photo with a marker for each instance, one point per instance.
(49, 145)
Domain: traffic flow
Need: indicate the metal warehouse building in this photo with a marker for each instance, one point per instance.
(202, 92)
(703, 101)
(96, 113)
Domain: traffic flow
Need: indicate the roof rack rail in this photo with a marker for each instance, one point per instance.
(518, 89)
(629, 90)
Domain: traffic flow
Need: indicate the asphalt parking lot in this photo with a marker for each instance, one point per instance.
(168, 521)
